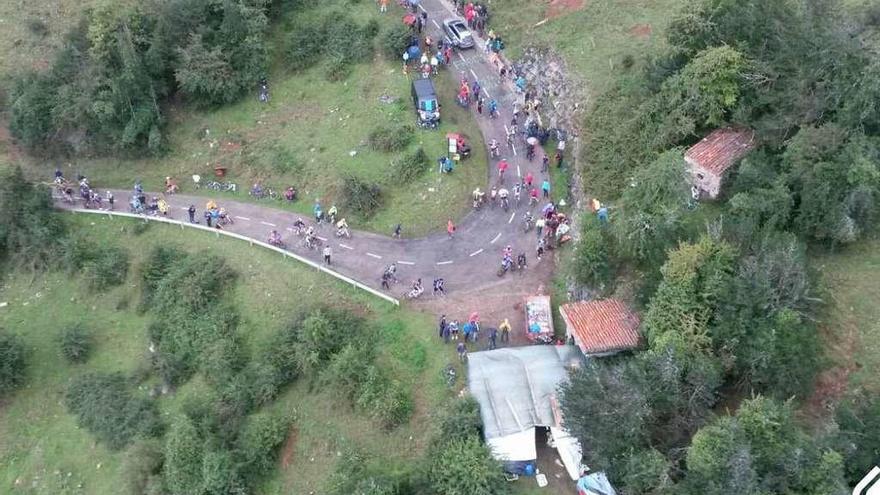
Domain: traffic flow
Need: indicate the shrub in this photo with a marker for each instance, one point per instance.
(338, 68)
(360, 195)
(31, 230)
(76, 343)
(411, 166)
(322, 334)
(222, 359)
(304, 45)
(232, 403)
(461, 420)
(220, 474)
(142, 466)
(184, 450)
(334, 36)
(466, 466)
(390, 137)
(349, 369)
(858, 438)
(104, 405)
(12, 362)
(396, 40)
(591, 266)
(101, 266)
(258, 442)
(275, 366)
(385, 400)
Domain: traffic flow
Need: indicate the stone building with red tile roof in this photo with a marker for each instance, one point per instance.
(602, 327)
(711, 158)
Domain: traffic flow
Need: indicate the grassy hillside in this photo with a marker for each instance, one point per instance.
(594, 36)
(43, 452)
(850, 322)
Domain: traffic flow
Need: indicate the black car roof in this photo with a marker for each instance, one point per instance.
(424, 87)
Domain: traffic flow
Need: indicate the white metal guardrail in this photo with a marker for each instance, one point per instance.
(249, 240)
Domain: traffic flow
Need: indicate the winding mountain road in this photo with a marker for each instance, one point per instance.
(467, 261)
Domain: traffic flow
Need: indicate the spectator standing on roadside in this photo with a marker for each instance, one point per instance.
(442, 325)
(545, 187)
(327, 253)
(383, 5)
(397, 231)
(505, 330)
(450, 228)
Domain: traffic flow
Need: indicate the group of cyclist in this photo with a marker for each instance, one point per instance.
(90, 197)
(416, 289)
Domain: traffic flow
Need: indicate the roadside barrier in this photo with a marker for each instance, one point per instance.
(252, 242)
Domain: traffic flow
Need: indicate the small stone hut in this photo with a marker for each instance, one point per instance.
(709, 160)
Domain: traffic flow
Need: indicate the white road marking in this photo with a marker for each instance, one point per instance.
(474, 74)
(512, 215)
(462, 57)
(478, 251)
(290, 229)
(495, 239)
(487, 93)
(406, 262)
(345, 246)
(423, 9)
(435, 23)
(322, 238)
(269, 224)
(513, 147)
(242, 218)
(449, 262)
(374, 256)
(518, 173)
(506, 130)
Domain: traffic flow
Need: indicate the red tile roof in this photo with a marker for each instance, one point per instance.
(721, 149)
(601, 326)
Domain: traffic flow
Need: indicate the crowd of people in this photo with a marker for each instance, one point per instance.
(468, 331)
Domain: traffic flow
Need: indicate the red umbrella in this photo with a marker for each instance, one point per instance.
(409, 19)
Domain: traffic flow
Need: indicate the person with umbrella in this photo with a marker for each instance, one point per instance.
(532, 143)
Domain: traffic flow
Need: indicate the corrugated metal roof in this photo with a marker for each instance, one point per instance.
(601, 326)
(722, 148)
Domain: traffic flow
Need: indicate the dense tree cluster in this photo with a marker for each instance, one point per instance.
(107, 87)
(731, 311)
(795, 71)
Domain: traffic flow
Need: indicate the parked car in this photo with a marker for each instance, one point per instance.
(458, 33)
(427, 106)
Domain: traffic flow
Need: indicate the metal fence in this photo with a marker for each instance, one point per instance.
(252, 242)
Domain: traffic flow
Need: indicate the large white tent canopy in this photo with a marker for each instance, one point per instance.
(516, 389)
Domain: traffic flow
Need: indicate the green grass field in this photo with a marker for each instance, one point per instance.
(851, 320)
(593, 39)
(43, 452)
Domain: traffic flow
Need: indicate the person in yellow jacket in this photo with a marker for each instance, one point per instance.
(505, 330)
(163, 207)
